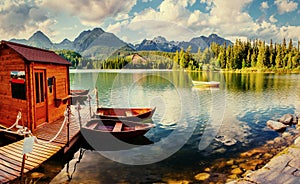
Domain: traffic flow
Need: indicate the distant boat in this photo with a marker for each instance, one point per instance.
(98, 129)
(207, 84)
(80, 91)
(130, 114)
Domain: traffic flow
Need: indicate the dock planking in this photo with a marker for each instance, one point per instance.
(11, 159)
(11, 154)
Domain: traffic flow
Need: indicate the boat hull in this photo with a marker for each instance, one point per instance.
(101, 136)
(127, 114)
(128, 129)
(80, 91)
(206, 84)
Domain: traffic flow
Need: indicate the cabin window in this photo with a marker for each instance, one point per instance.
(50, 84)
(18, 87)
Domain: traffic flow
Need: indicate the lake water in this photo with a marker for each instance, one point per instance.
(191, 122)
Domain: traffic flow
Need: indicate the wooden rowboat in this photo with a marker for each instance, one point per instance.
(114, 135)
(119, 129)
(130, 114)
(80, 91)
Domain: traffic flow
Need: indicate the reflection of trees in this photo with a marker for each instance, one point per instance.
(248, 81)
(258, 82)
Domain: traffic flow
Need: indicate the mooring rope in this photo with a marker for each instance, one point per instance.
(19, 116)
(24, 131)
(21, 130)
(66, 114)
(81, 153)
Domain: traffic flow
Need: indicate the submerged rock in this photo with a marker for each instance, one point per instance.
(233, 176)
(295, 119)
(227, 141)
(202, 176)
(279, 141)
(286, 119)
(275, 125)
(35, 175)
(297, 141)
(207, 169)
(252, 152)
(220, 150)
(230, 162)
(267, 156)
(247, 166)
(237, 171)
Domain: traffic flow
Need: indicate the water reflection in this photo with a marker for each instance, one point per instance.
(251, 100)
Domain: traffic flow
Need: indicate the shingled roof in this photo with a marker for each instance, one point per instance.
(33, 54)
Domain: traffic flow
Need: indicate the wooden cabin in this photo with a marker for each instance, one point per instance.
(34, 81)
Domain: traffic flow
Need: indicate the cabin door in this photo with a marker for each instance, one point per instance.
(40, 97)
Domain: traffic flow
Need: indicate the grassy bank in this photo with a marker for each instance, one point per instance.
(263, 70)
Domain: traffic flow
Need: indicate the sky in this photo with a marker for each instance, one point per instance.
(135, 20)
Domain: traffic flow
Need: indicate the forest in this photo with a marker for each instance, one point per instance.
(255, 55)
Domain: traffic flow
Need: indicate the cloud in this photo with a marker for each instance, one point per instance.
(160, 21)
(224, 18)
(22, 19)
(273, 19)
(290, 32)
(91, 12)
(264, 5)
(174, 20)
(285, 6)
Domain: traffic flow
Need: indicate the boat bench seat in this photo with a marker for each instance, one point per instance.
(118, 127)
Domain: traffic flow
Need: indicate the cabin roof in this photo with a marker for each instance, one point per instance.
(34, 54)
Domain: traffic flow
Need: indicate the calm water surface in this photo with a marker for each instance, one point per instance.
(187, 121)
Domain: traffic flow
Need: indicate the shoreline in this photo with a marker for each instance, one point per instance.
(284, 167)
(263, 70)
(243, 168)
(245, 70)
(253, 70)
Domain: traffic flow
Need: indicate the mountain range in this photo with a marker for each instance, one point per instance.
(97, 43)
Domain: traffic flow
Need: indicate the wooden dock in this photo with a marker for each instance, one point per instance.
(11, 155)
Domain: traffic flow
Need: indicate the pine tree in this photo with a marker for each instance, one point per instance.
(289, 60)
(176, 60)
(244, 64)
(248, 60)
(182, 61)
(296, 59)
(272, 55)
(253, 59)
(267, 60)
(278, 59)
(261, 55)
(222, 57)
(229, 57)
(206, 56)
(283, 48)
(290, 47)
